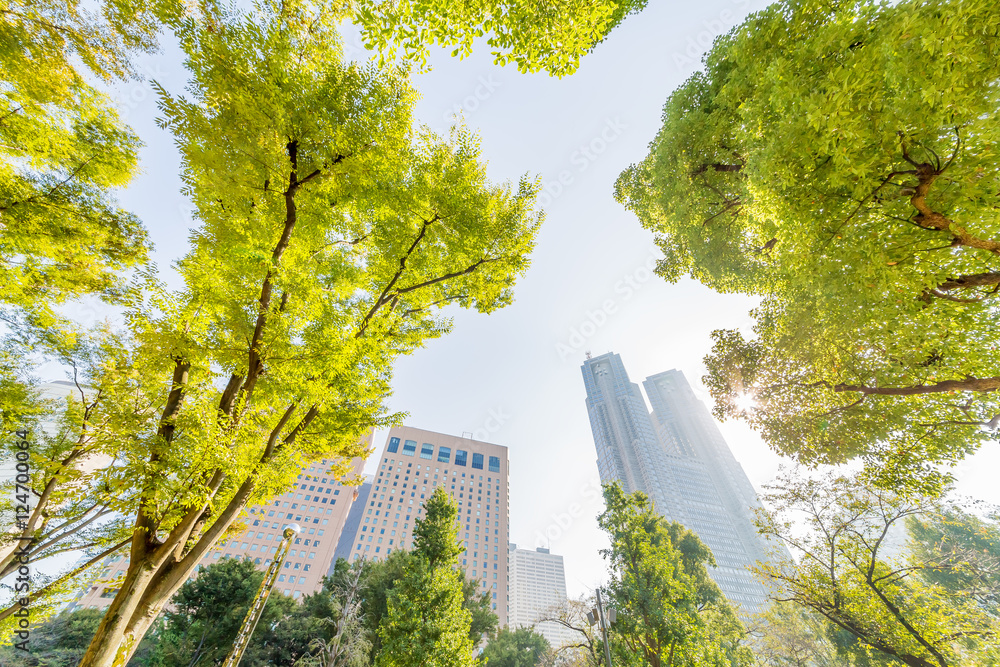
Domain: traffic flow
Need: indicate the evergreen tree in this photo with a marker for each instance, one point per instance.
(522, 647)
(427, 624)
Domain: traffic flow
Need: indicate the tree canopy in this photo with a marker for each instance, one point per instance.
(427, 624)
(331, 232)
(669, 611)
(926, 606)
(520, 647)
(550, 37)
(64, 150)
(839, 160)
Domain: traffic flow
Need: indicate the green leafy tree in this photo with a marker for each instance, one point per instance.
(64, 149)
(206, 614)
(968, 544)
(426, 623)
(70, 509)
(331, 232)
(549, 37)
(57, 642)
(788, 635)
(522, 647)
(839, 160)
(853, 571)
(670, 612)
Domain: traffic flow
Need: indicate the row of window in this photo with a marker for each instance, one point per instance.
(444, 454)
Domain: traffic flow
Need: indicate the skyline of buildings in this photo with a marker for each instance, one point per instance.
(677, 456)
(538, 588)
(674, 453)
(415, 462)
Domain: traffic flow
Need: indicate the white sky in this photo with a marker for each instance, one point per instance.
(508, 365)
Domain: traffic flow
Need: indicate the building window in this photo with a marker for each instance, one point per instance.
(444, 454)
(494, 464)
(393, 445)
(477, 461)
(427, 451)
(461, 457)
(410, 447)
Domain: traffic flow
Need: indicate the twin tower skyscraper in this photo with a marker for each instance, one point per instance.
(677, 456)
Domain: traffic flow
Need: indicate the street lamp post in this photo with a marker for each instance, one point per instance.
(259, 600)
(604, 627)
(605, 617)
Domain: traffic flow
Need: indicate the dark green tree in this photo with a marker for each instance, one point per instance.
(427, 624)
(522, 647)
(57, 642)
(670, 612)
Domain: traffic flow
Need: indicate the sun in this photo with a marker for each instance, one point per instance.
(745, 402)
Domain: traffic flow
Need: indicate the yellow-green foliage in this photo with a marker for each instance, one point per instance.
(840, 160)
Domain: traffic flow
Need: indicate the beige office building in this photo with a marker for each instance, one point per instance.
(538, 591)
(318, 502)
(412, 465)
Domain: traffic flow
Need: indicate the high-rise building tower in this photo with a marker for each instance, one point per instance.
(537, 591)
(413, 464)
(678, 458)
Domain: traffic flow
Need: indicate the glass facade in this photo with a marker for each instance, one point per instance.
(410, 447)
(393, 445)
(477, 461)
(678, 458)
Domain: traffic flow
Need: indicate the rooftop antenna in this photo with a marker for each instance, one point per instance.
(588, 354)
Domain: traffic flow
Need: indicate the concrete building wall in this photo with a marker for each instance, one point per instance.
(412, 464)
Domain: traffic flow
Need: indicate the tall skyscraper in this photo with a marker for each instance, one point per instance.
(678, 458)
(317, 502)
(413, 464)
(537, 590)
